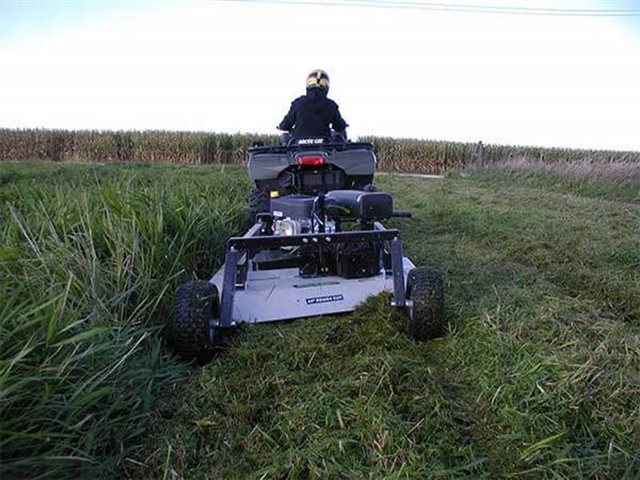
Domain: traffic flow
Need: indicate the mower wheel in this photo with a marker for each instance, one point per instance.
(425, 305)
(190, 332)
(259, 202)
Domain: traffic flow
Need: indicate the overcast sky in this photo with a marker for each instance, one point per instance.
(236, 66)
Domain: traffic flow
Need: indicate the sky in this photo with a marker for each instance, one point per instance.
(235, 66)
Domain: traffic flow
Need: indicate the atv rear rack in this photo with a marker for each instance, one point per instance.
(301, 147)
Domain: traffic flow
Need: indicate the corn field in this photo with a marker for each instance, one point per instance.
(394, 155)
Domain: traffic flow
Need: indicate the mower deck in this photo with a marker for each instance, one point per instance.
(283, 294)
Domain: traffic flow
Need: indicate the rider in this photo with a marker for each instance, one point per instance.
(313, 115)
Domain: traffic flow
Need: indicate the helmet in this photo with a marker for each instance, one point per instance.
(318, 79)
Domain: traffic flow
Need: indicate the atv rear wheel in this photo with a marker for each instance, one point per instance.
(190, 332)
(425, 303)
(259, 202)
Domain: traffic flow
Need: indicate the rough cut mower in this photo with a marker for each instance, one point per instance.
(317, 247)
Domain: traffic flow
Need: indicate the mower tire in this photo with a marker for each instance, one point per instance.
(190, 332)
(259, 202)
(425, 305)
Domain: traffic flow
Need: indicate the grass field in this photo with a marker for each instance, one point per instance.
(538, 377)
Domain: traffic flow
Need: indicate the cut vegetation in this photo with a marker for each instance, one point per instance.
(537, 377)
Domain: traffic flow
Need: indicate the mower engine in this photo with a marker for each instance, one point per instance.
(305, 214)
(298, 214)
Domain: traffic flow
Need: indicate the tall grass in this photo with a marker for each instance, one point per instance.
(89, 259)
(616, 180)
(402, 155)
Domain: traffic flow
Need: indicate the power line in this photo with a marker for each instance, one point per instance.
(464, 8)
(496, 8)
(457, 7)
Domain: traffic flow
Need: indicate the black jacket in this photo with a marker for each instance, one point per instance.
(312, 115)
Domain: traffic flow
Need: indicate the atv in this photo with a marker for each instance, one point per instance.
(317, 247)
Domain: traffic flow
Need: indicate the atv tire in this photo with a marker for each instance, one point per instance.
(259, 202)
(425, 306)
(190, 333)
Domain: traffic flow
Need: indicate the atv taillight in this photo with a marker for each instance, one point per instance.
(310, 161)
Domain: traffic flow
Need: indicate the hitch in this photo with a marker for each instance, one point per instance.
(402, 214)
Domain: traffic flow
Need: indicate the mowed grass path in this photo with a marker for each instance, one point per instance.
(538, 377)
